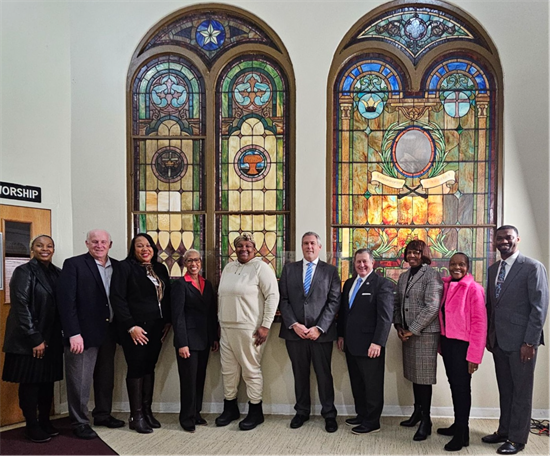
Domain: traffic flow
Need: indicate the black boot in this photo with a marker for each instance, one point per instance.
(35, 433)
(230, 412)
(255, 416)
(460, 439)
(425, 428)
(415, 417)
(448, 430)
(44, 408)
(148, 387)
(135, 395)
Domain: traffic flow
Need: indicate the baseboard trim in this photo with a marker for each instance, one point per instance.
(344, 410)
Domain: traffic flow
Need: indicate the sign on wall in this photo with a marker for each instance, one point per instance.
(20, 192)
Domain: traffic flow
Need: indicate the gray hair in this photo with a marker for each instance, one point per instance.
(90, 233)
(312, 233)
(363, 250)
(189, 252)
(244, 237)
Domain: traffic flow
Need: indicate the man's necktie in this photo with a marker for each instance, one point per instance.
(500, 279)
(307, 280)
(355, 290)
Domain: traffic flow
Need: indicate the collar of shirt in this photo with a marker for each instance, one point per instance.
(107, 263)
(187, 277)
(304, 268)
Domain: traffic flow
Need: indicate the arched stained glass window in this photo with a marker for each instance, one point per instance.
(415, 146)
(210, 147)
(252, 194)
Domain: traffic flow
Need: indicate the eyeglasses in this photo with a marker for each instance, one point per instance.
(193, 260)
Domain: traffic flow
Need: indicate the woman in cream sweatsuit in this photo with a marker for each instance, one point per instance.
(248, 296)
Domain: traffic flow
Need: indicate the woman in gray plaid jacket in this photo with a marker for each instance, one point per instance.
(419, 292)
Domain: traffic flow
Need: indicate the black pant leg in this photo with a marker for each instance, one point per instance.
(187, 370)
(300, 358)
(321, 357)
(456, 366)
(104, 375)
(203, 356)
(372, 373)
(45, 399)
(357, 385)
(28, 401)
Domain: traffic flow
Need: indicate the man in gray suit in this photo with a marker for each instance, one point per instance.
(517, 303)
(310, 298)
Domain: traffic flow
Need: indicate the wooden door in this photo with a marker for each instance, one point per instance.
(18, 226)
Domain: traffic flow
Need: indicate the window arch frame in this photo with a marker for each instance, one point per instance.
(211, 72)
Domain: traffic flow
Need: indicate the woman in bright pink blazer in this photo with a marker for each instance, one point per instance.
(463, 321)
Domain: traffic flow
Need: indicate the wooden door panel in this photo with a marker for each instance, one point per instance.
(40, 223)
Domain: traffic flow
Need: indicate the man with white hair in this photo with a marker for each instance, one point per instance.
(89, 333)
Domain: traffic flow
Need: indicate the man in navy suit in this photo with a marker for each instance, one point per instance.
(517, 303)
(89, 334)
(364, 323)
(310, 298)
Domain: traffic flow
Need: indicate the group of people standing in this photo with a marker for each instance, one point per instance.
(95, 302)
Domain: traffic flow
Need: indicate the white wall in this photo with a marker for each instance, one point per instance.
(64, 67)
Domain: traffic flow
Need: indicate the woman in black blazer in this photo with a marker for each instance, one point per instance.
(195, 322)
(33, 343)
(140, 297)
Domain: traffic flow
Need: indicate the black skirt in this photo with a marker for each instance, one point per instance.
(27, 369)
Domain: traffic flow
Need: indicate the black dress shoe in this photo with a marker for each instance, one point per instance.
(200, 421)
(298, 421)
(110, 422)
(331, 425)
(49, 428)
(36, 434)
(510, 448)
(354, 421)
(188, 425)
(494, 438)
(84, 431)
(364, 429)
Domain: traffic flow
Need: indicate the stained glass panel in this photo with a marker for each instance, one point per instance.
(251, 162)
(414, 166)
(168, 158)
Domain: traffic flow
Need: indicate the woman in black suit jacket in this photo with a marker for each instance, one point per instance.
(140, 297)
(195, 332)
(33, 343)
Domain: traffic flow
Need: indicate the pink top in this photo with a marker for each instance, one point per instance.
(465, 315)
(187, 277)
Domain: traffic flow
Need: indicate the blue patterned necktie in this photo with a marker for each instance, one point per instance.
(500, 279)
(307, 280)
(355, 290)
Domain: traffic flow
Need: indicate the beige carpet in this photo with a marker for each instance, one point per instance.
(276, 437)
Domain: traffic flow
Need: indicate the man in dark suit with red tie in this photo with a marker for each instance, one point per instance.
(310, 298)
(364, 322)
(517, 304)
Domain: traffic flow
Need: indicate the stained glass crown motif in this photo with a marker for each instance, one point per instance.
(208, 33)
(416, 29)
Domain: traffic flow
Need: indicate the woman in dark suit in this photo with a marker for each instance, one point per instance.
(33, 343)
(416, 309)
(140, 296)
(195, 323)
(463, 321)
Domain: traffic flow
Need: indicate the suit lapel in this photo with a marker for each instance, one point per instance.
(365, 286)
(516, 267)
(90, 262)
